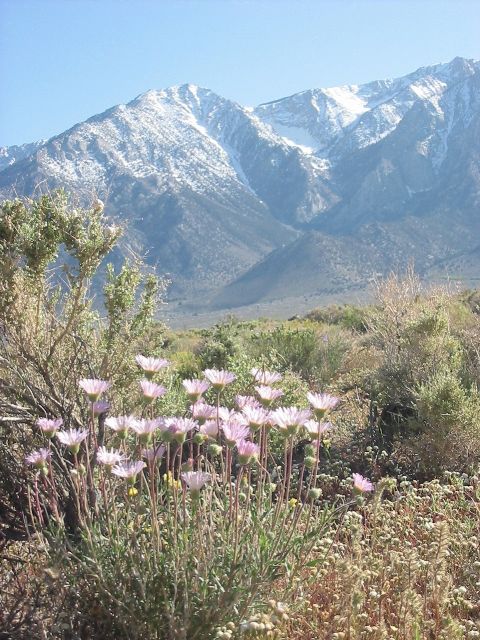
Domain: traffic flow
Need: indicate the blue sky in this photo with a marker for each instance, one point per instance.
(62, 61)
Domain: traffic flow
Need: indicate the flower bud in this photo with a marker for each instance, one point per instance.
(214, 449)
(310, 450)
(314, 494)
(199, 438)
(310, 462)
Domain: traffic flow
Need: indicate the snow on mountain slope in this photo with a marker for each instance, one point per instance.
(351, 117)
(10, 155)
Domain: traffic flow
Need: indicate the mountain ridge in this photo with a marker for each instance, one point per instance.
(217, 194)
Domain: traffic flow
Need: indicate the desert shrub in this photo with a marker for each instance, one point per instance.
(423, 398)
(50, 333)
(315, 356)
(219, 345)
(347, 316)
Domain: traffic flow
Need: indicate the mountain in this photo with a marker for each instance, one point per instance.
(315, 193)
(10, 155)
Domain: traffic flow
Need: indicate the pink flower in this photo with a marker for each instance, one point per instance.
(268, 395)
(290, 419)
(72, 438)
(195, 388)
(322, 403)
(201, 411)
(121, 424)
(265, 377)
(151, 365)
(151, 390)
(209, 429)
(219, 378)
(316, 429)
(100, 407)
(155, 454)
(129, 470)
(246, 401)
(94, 388)
(234, 431)
(361, 484)
(179, 427)
(109, 458)
(226, 414)
(49, 426)
(146, 428)
(195, 480)
(247, 451)
(256, 417)
(38, 458)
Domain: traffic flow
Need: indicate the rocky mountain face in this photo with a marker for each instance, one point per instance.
(314, 193)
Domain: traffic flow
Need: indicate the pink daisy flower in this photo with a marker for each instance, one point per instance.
(38, 458)
(265, 377)
(247, 451)
(268, 395)
(195, 388)
(361, 484)
(226, 414)
(72, 438)
(316, 429)
(255, 416)
(209, 429)
(109, 457)
(201, 411)
(322, 403)
(121, 424)
(151, 366)
(154, 454)
(100, 407)
(195, 480)
(246, 401)
(94, 388)
(129, 470)
(219, 378)
(234, 431)
(143, 426)
(151, 390)
(290, 419)
(180, 427)
(49, 426)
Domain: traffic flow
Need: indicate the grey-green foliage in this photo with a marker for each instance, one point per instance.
(315, 355)
(53, 335)
(425, 398)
